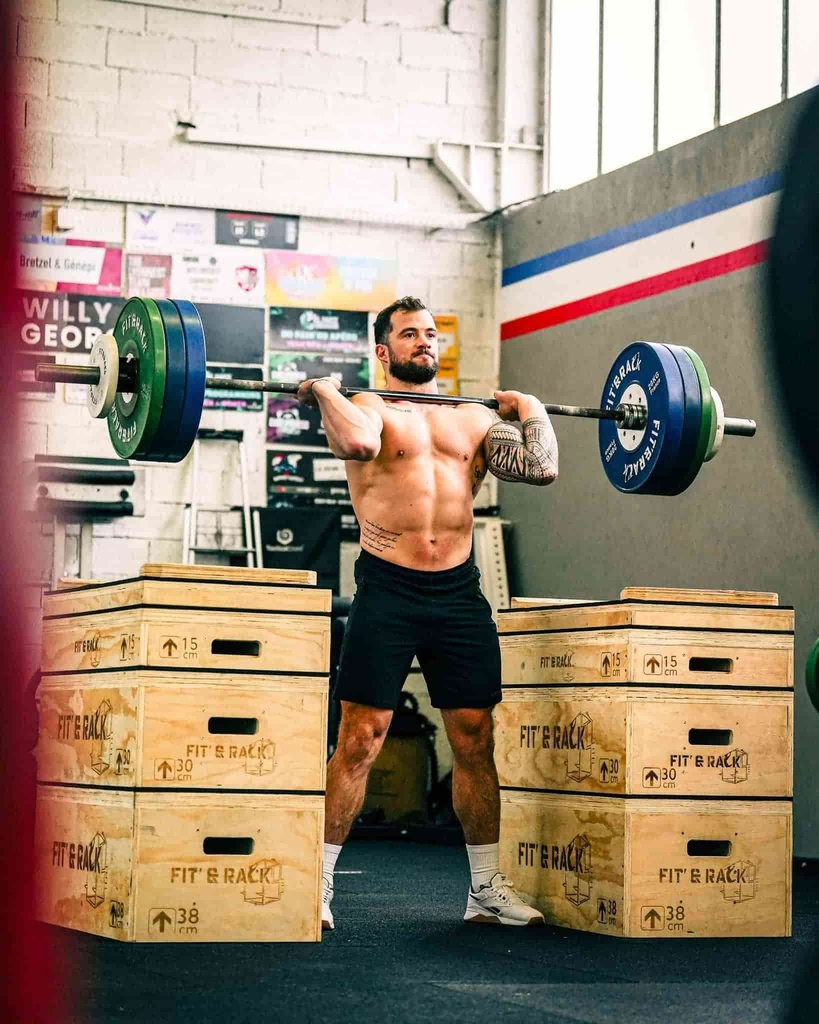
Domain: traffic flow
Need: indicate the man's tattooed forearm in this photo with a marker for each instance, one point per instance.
(528, 455)
(377, 537)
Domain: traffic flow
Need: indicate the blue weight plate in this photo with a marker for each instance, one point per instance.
(162, 446)
(671, 478)
(643, 374)
(195, 381)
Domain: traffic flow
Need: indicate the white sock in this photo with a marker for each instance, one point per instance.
(484, 863)
(331, 853)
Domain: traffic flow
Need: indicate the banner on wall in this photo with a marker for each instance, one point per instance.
(306, 538)
(233, 334)
(148, 275)
(331, 282)
(236, 401)
(168, 228)
(51, 264)
(289, 421)
(315, 471)
(314, 330)
(257, 230)
(64, 323)
(219, 274)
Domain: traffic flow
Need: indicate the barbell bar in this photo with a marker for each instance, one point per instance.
(627, 415)
(658, 419)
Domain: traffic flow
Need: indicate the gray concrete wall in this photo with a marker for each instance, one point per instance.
(746, 523)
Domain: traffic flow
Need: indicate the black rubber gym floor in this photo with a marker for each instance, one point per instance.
(400, 952)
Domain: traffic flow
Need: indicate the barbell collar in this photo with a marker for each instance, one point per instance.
(740, 427)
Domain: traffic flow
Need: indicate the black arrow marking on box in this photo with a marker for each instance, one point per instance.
(604, 771)
(652, 776)
(606, 664)
(652, 664)
(653, 917)
(169, 646)
(123, 647)
(164, 768)
(162, 919)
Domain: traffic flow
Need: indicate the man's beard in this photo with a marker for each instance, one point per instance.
(411, 372)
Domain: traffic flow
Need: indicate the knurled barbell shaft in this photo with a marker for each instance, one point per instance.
(630, 415)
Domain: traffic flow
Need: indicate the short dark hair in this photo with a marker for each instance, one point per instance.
(381, 328)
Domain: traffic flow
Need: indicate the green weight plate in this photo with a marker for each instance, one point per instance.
(134, 420)
(812, 674)
(706, 425)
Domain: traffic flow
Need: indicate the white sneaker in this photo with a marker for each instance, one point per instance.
(327, 923)
(499, 902)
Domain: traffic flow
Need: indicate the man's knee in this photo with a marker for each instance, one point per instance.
(361, 737)
(471, 738)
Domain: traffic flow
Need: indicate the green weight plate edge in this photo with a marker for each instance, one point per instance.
(707, 423)
(134, 420)
(812, 674)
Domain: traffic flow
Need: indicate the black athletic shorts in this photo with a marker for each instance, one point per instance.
(441, 616)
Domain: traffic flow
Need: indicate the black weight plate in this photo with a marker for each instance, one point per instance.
(793, 288)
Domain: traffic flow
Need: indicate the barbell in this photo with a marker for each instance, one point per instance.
(660, 419)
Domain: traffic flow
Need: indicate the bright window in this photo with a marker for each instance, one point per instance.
(803, 45)
(687, 69)
(628, 81)
(574, 92)
(751, 57)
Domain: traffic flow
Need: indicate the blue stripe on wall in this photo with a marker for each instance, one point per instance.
(702, 207)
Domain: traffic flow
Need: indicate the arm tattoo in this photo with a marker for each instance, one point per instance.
(528, 455)
(377, 537)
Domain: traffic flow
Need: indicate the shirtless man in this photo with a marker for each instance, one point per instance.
(413, 471)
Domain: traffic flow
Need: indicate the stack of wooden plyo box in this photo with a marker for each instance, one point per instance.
(181, 755)
(645, 753)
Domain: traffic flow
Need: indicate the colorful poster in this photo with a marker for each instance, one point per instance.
(310, 472)
(235, 400)
(287, 420)
(331, 282)
(318, 330)
(52, 264)
(64, 323)
(168, 228)
(219, 274)
(257, 230)
(149, 275)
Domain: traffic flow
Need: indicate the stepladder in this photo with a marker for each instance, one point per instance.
(250, 546)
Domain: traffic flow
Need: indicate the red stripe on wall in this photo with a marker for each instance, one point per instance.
(716, 266)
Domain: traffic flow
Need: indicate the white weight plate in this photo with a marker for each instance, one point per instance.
(105, 355)
(720, 434)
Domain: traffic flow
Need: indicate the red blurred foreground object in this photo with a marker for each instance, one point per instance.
(30, 987)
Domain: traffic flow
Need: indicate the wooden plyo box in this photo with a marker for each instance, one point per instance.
(231, 623)
(183, 729)
(676, 643)
(646, 741)
(651, 868)
(180, 867)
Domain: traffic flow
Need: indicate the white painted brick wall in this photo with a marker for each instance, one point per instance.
(81, 82)
(414, 14)
(55, 42)
(104, 83)
(150, 53)
(107, 13)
